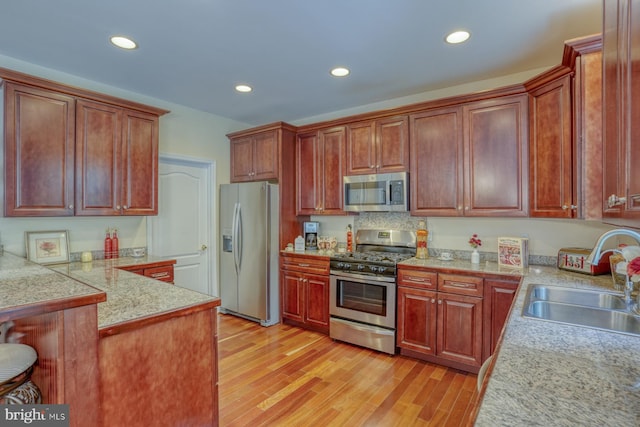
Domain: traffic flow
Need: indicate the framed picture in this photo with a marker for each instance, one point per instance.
(47, 247)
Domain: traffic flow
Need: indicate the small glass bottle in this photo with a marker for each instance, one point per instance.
(421, 241)
(115, 250)
(108, 245)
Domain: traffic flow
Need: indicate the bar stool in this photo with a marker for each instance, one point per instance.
(16, 367)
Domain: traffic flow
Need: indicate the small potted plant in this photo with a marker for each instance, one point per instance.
(474, 242)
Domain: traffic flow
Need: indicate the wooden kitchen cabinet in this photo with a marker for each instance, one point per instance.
(443, 326)
(116, 160)
(320, 167)
(470, 159)
(159, 270)
(552, 193)
(437, 165)
(255, 157)
(262, 153)
(378, 146)
(74, 152)
(304, 289)
(496, 157)
(38, 122)
(498, 299)
(621, 122)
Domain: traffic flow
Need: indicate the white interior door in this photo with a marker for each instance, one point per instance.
(183, 229)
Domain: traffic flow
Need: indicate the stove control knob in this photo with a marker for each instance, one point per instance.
(382, 269)
(340, 265)
(373, 268)
(347, 266)
(360, 267)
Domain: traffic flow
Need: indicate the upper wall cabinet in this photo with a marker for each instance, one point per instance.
(39, 136)
(116, 160)
(319, 170)
(261, 153)
(75, 152)
(621, 80)
(378, 146)
(552, 193)
(470, 159)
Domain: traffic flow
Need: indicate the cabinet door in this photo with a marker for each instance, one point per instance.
(361, 149)
(392, 144)
(551, 166)
(551, 174)
(437, 162)
(241, 159)
(332, 144)
(98, 158)
(307, 173)
(417, 320)
(139, 164)
(621, 82)
(460, 328)
(292, 299)
(496, 140)
(498, 297)
(265, 159)
(317, 301)
(39, 150)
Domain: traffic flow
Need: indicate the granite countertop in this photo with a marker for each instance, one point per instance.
(551, 374)
(27, 288)
(129, 297)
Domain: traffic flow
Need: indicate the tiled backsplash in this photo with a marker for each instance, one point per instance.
(336, 226)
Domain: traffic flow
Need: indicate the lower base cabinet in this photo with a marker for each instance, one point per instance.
(159, 270)
(304, 286)
(458, 328)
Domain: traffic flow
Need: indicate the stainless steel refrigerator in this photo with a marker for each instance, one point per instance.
(248, 263)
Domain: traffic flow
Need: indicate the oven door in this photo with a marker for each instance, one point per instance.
(366, 299)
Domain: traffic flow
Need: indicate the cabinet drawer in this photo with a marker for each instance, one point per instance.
(305, 264)
(418, 279)
(164, 273)
(458, 284)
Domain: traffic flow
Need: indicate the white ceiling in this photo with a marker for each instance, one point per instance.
(193, 52)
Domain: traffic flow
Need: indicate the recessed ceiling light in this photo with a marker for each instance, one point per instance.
(458, 37)
(340, 72)
(244, 88)
(123, 42)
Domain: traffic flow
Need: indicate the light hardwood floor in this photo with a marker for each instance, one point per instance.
(287, 376)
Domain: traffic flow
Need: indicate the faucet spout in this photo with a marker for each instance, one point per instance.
(596, 253)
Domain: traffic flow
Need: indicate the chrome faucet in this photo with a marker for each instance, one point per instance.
(596, 253)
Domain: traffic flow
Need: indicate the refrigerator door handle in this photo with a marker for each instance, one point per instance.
(238, 252)
(235, 237)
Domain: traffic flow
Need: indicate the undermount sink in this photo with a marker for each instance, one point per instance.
(593, 309)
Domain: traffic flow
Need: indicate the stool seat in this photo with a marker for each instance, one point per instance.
(15, 359)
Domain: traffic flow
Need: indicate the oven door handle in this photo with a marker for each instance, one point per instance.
(361, 278)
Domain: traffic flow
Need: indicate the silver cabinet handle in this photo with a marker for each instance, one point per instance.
(614, 200)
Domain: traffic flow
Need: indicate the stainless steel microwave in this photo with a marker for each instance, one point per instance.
(387, 192)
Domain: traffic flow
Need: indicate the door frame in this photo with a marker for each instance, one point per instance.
(209, 167)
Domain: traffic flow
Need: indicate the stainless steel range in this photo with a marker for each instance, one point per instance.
(363, 289)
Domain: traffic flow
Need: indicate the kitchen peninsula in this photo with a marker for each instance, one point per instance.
(112, 339)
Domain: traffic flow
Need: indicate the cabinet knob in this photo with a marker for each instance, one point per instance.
(433, 300)
(614, 200)
(372, 166)
(70, 206)
(125, 207)
(439, 301)
(118, 207)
